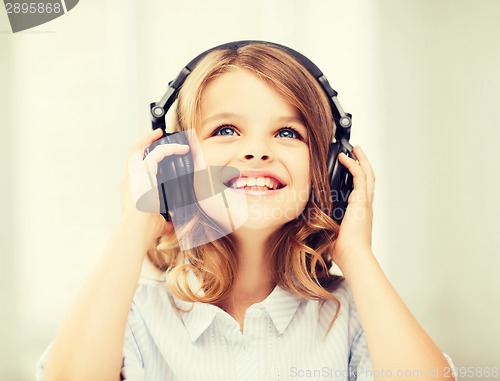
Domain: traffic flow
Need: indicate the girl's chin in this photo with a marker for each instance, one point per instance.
(249, 219)
(259, 225)
(236, 209)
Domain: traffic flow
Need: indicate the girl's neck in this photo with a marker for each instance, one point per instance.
(255, 279)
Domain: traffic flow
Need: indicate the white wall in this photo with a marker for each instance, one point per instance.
(440, 70)
(418, 76)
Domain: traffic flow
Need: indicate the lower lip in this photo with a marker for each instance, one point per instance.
(258, 193)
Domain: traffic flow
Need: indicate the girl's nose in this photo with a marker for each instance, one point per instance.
(250, 156)
(256, 148)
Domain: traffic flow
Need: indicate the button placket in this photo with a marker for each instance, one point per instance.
(248, 368)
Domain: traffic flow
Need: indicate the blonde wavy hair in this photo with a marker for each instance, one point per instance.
(300, 248)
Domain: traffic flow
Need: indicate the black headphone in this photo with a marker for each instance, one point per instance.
(175, 173)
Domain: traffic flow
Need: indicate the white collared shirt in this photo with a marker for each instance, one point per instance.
(284, 338)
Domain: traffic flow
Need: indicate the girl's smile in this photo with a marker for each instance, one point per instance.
(256, 183)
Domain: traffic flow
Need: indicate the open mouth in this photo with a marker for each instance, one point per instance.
(260, 183)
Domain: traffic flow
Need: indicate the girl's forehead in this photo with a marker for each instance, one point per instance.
(240, 90)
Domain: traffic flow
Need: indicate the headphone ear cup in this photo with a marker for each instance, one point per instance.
(175, 180)
(341, 183)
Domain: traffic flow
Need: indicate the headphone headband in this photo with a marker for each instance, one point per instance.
(342, 120)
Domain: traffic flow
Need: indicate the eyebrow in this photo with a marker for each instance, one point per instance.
(222, 115)
(290, 119)
(231, 115)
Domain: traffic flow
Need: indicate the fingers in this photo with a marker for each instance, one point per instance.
(159, 152)
(355, 169)
(146, 140)
(367, 168)
(156, 155)
(142, 171)
(361, 170)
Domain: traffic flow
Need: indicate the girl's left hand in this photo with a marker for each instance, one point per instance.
(355, 235)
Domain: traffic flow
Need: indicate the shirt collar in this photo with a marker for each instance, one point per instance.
(197, 318)
(281, 306)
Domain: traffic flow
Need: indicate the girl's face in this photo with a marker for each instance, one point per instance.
(245, 125)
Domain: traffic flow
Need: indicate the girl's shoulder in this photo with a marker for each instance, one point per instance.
(151, 294)
(343, 302)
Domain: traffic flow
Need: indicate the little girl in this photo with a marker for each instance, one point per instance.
(257, 301)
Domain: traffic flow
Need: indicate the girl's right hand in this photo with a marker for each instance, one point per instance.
(139, 192)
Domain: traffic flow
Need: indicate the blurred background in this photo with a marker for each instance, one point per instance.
(421, 78)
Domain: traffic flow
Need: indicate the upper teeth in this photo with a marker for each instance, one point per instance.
(269, 182)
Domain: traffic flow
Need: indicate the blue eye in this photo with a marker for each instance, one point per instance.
(224, 131)
(289, 133)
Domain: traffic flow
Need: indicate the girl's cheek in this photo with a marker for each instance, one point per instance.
(199, 154)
